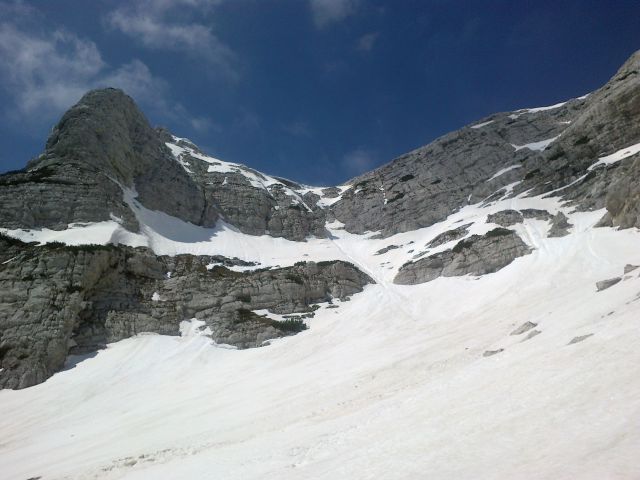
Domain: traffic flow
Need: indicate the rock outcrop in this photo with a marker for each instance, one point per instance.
(100, 145)
(251, 201)
(560, 225)
(56, 300)
(505, 218)
(604, 284)
(536, 151)
(476, 255)
(104, 144)
(449, 236)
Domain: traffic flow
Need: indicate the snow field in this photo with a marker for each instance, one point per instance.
(391, 384)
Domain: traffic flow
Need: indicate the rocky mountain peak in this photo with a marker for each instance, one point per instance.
(107, 131)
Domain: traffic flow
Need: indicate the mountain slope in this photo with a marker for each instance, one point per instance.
(471, 305)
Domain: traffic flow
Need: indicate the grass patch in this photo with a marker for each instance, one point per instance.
(462, 245)
(219, 271)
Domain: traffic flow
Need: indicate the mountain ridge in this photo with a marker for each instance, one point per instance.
(107, 178)
(468, 310)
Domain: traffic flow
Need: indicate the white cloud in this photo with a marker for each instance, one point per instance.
(297, 128)
(136, 80)
(203, 124)
(162, 25)
(358, 161)
(366, 42)
(45, 72)
(326, 12)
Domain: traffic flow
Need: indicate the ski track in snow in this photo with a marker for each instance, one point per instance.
(391, 384)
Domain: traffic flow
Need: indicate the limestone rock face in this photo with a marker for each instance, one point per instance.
(505, 218)
(424, 186)
(57, 300)
(251, 201)
(46, 196)
(608, 122)
(560, 225)
(102, 144)
(604, 284)
(449, 236)
(476, 255)
(535, 151)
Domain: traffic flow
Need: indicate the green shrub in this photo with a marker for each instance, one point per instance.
(325, 263)
(290, 325)
(244, 315)
(219, 271)
(11, 241)
(294, 278)
(461, 245)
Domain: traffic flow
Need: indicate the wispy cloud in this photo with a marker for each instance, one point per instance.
(45, 71)
(327, 12)
(170, 25)
(358, 161)
(297, 129)
(366, 42)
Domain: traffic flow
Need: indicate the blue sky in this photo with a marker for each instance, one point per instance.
(313, 90)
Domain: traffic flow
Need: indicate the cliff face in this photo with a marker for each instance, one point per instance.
(57, 300)
(104, 143)
(545, 150)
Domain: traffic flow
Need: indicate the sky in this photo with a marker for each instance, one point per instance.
(317, 91)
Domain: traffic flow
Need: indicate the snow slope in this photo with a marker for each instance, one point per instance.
(392, 384)
(400, 382)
